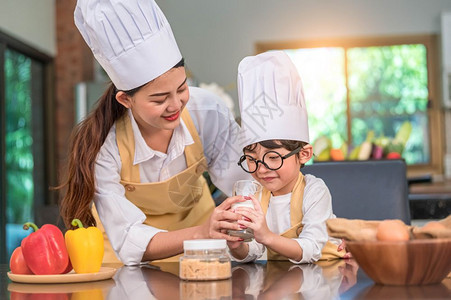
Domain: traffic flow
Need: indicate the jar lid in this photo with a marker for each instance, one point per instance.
(204, 244)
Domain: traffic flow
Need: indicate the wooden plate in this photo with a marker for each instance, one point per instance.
(104, 273)
(62, 288)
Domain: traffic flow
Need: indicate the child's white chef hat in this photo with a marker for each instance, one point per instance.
(131, 39)
(271, 96)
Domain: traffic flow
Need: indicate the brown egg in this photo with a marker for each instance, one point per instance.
(392, 230)
(433, 225)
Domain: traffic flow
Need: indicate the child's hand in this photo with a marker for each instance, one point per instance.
(254, 219)
(234, 245)
(238, 250)
(343, 246)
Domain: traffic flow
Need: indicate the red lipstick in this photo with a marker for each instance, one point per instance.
(172, 117)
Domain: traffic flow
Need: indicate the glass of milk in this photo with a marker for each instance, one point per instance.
(246, 188)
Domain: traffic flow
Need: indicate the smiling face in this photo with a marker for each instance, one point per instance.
(281, 181)
(158, 104)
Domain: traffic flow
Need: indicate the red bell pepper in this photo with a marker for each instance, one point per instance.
(393, 155)
(69, 266)
(45, 250)
(17, 263)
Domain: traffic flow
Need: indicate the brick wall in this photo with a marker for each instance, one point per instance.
(73, 63)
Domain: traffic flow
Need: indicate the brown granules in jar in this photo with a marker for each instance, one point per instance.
(217, 289)
(198, 269)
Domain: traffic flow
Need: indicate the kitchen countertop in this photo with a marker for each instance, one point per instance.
(430, 199)
(340, 279)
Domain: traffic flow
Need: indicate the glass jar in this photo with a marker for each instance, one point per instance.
(247, 234)
(214, 289)
(205, 260)
(246, 188)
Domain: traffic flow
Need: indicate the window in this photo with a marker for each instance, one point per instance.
(24, 142)
(355, 88)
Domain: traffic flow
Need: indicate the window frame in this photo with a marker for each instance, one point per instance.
(43, 198)
(434, 111)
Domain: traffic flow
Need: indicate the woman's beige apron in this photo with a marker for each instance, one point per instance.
(329, 250)
(181, 201)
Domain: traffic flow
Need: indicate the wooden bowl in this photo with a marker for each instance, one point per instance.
(430, 291)
(414, 262)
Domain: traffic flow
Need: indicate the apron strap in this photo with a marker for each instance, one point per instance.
(329, 250)
(126, 144)
(296, 201)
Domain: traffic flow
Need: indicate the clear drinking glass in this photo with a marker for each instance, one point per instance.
(246, 188)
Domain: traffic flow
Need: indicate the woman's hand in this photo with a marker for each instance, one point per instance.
(221, 220)
(254, 219)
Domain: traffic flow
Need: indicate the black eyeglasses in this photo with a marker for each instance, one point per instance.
(272, 160)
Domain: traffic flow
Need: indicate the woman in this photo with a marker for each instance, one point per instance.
(141, 153)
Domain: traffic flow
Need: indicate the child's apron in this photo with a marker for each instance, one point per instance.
(182, 201)
(329, 250)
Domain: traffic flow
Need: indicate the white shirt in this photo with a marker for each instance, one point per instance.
(317, 285)
(122, 220)
(316, 207)
(314, 284)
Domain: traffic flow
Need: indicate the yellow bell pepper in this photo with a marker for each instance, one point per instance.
(85, 248)
(95, 294)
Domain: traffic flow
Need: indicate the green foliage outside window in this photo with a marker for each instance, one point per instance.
(323, 77)
(379, 87)
(388, 86)
(19, 141)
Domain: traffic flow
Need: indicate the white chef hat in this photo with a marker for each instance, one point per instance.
(131, 39)
(271, 96)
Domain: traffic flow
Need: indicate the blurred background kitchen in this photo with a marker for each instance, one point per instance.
(376, 74)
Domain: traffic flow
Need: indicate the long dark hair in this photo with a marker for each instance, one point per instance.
(86, 140)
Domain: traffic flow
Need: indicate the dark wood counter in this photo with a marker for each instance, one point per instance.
(439, 189)
(430, 200)
(341, 279)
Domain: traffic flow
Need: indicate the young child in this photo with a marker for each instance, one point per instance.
(290, 220)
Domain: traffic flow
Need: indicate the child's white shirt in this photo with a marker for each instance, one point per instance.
(316, 207)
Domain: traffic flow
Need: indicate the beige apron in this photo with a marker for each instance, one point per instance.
(182, 201)
(329, 250)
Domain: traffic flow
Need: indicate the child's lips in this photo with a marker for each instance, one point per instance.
(267, 179)
(172, 117)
